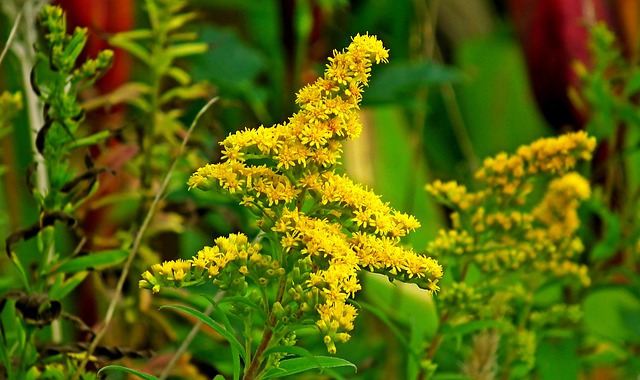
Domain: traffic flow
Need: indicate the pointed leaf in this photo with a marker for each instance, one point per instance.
(293, 366)
(120, 368)
(213, 324)
(134, 48)
(97, 260)
(187, 49)
(63, 288)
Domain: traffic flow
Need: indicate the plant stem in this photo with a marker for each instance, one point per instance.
(269, 329)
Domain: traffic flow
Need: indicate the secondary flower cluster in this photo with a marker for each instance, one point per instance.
(519, 229)
(321, 226)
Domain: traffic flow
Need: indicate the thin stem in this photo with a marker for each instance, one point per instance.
(138, 241)
(254, 366)
(12, 35)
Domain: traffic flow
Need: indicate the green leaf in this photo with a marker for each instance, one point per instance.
(227, 325)
(469, 327)
(293, 350)
(633, 85)
(195, 91)
(187, 49)
(213, 324)
(90, 140)
(558, 359)
(401, 81)
(21, 272)
(177, 21)
(181, 76)
(135, 34)
(606, 314)
(450, 376)
(61, 289)
(245, 301)
(120, 368)
(297, 365)
(133, 48)
(608, 245)
(385, 319)
(98, 260)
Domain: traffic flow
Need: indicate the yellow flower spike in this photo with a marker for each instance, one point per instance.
(321, 224)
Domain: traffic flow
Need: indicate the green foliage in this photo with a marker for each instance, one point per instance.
(59, 191)
(445, 102)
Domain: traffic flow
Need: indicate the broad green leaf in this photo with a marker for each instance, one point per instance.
(558, 359)
(605, 313)
(297, 365)
(400, 82)
(213, 324)
(229, 63)
(98, 260)
(130, 371)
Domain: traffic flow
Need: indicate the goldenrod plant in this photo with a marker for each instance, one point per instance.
(319, 228)
(512, 236)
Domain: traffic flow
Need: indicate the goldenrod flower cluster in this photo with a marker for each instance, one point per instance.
(518, 228)
(503, 226)
(230, 261)
(322, 227)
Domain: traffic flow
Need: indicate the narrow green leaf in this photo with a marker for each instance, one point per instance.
(60, 290)
(213, 324)
(187, 49)
(21, 271)
(382, 316)
(450, 376)
(132, 47)
(90, 140)
(245, 301)
(608, 245)
(293, 350)
(120, 368)
(181, 76)
(98, 260)
(195, 91)
(135, 34)
(227, 325)
(469, 327)
(297, 365)
(179, 20)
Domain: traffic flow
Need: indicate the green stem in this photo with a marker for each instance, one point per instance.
(255, 364)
